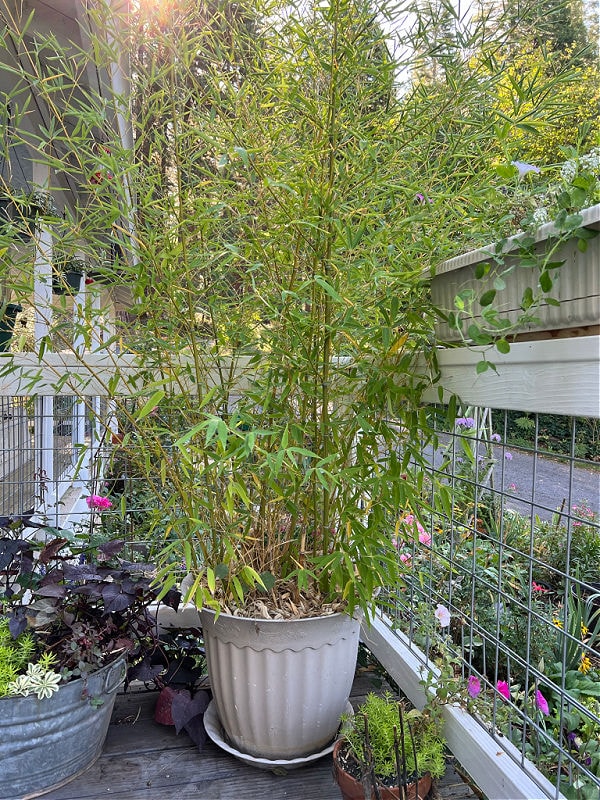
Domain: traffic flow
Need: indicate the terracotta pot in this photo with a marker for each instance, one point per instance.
(351, 789)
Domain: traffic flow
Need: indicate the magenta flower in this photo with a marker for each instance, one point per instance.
(425, 538)
(541, 703)
(442, 615)
(406, 558)
(504, 689)
(96, 501)
(537, 587)
(474, 686)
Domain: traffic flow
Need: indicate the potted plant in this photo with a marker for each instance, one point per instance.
(68, 624)
(67, 274)
(389, 751)
(7, 324)
(177, 667)
(542, 278)
(276, 262)
(17, 220)
(19, 212)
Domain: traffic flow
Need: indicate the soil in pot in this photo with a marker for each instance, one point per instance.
(347, 774)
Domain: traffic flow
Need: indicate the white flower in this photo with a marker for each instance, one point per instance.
(523, 168)
(591, 161)
(568, 170)
(442, 615)
(540, 215)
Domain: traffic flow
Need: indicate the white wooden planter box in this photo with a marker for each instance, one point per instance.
(577, 284)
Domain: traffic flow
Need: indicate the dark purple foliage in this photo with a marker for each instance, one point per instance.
(188, 714)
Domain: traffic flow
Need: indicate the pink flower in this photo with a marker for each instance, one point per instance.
(410, 520)
(537, 587)
(425, 538)
(442, 615)
(541, 703)
(474, 686)
(98, 502)
(504, 689)
(406, 558)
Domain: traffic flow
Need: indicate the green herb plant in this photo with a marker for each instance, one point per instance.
(383, 729)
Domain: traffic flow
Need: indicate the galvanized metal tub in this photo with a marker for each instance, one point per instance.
(46, 743)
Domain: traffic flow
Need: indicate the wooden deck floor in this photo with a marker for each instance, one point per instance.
(143, 760)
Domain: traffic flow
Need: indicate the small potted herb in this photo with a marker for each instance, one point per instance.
(389, 751)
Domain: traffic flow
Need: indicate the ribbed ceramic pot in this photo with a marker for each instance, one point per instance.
(46, 743)
(280, 686)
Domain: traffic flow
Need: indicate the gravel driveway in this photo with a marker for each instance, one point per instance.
(546, 484)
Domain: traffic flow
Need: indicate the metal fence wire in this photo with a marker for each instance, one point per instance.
(509, 544)
(18, 460)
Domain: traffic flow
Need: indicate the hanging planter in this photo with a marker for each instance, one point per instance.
(19, 213)
(7, 325)
(575, 297)
(17, 220)
(67, 275)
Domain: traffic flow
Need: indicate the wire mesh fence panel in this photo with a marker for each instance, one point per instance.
(18, 489)
(64, 424)
(508, 543)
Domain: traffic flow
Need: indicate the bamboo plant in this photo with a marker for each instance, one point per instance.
(292, 177)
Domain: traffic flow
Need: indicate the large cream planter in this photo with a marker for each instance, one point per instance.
(280, 686)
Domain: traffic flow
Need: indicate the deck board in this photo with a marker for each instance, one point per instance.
(143, 760)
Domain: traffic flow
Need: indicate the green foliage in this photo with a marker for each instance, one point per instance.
(554, 543)
(275, 263)
(15, 654)
(555, 434)
(381, 716)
